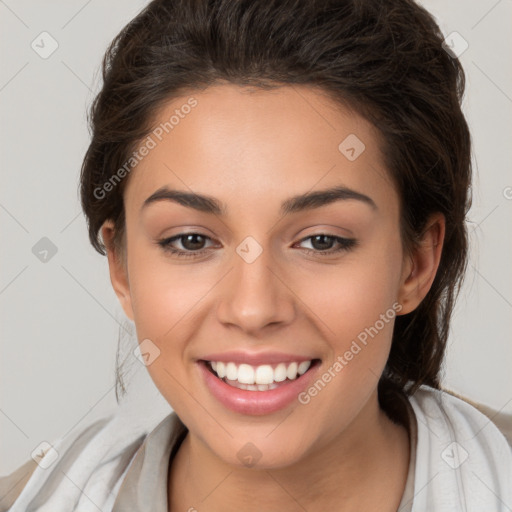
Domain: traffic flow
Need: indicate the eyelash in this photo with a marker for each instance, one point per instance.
(345, 244)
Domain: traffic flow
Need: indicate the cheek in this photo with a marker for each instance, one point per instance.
(163, 294)
(352, 295)
(164, 300)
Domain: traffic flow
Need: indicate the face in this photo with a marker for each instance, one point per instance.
(261, 273)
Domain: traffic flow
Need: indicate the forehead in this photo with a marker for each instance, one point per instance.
(240, 142)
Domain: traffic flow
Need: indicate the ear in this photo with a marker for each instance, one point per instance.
(117, 268)
(421, 265)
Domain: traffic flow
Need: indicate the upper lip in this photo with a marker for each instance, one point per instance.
(256, 358)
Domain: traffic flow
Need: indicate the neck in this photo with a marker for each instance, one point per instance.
(364, 467)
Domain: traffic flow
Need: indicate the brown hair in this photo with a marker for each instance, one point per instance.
(384, 58)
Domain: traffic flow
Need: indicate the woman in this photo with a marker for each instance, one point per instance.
(281, 189)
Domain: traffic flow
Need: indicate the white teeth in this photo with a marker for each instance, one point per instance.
(245, 374)
(259, 378)
(221, 370)
(231, 371)
(291, 372)
(280, 372)
(303, 367)
(264, 374)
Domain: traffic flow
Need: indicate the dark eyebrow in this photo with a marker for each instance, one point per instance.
(320, 198)
(295, 204)
(191, 200)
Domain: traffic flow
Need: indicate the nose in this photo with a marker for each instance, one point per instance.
(255, 295)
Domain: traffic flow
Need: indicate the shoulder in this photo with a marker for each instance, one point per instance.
(69, 463)
(502, 420)
(11, 485)
(463, 457)
(447, 408)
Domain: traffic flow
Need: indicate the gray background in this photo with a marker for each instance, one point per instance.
(60, 319)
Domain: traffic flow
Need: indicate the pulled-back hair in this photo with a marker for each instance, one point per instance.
(383, 58)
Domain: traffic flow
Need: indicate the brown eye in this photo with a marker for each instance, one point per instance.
(322, 244)
(192, 244)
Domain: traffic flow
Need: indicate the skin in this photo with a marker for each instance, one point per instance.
(252, 150)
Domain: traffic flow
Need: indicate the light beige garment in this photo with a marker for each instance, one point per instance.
(142, 484)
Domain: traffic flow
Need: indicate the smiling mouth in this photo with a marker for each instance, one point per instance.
(264, 377)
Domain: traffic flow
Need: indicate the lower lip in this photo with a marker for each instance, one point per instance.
(256, 402)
